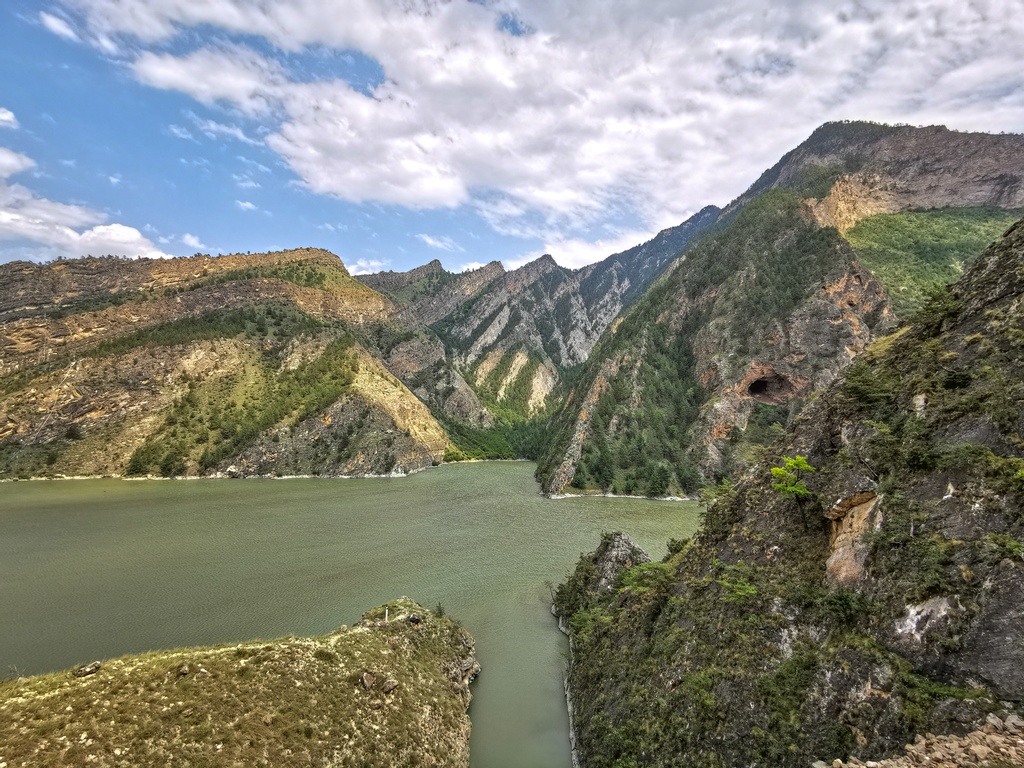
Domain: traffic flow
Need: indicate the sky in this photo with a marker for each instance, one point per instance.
(393, 133)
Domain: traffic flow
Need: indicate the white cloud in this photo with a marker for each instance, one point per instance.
(470, 266)
(235, 74)
(58, 26)
(193, 242)
(578, 252)
(115, 179)
(245, 182)
(180, 132)
(366, 266)
(7, 119)
(57, 229)
(245, 205)
(213, 129)
(649, 108)
(253, 164)
(12, 163)
(443, 243)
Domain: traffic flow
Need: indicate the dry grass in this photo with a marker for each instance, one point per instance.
(290, 702)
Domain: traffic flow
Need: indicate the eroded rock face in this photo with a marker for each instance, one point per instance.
(616, 553)
(423, 366)
(803, 353)
(874, 169)
(542, 312)
(771, 389)
(930, 616)
(852, 518)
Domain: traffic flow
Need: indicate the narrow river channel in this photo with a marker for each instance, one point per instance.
(92, 569)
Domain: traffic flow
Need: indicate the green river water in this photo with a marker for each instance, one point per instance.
(92, 569)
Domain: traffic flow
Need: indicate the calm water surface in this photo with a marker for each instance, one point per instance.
(93, 569)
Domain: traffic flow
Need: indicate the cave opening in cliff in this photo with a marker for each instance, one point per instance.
(771, 389)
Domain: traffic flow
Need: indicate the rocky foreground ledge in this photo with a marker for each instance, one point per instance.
(390, 691)
(998, 744)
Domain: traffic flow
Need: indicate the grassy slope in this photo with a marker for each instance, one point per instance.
(286, 702)
(915, 252)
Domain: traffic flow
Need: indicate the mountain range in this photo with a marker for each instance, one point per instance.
(650, 372)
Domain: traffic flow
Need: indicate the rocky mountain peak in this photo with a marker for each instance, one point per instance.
(854, 170)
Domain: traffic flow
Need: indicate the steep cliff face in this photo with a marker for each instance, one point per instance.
(795, 355)
(266, 364)
(390, 691)
(880, 604)
(751, 318)
(773, 302)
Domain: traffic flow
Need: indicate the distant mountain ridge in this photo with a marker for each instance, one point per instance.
(244, 364)
(854, 170)
(282, 363)
(527, 325)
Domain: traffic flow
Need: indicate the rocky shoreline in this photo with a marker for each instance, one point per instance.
(563, 627)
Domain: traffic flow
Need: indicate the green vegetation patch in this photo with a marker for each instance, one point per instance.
(219, 417)
(519, 439)
(914, 252)
(267, 321)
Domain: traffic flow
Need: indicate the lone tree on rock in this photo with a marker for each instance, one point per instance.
(789, 481)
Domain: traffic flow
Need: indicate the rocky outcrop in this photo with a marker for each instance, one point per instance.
(391, 691)
(853, 518)
(396, 283)
(883, 604)
(795, 356)
(448, 295)
(616, 553)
